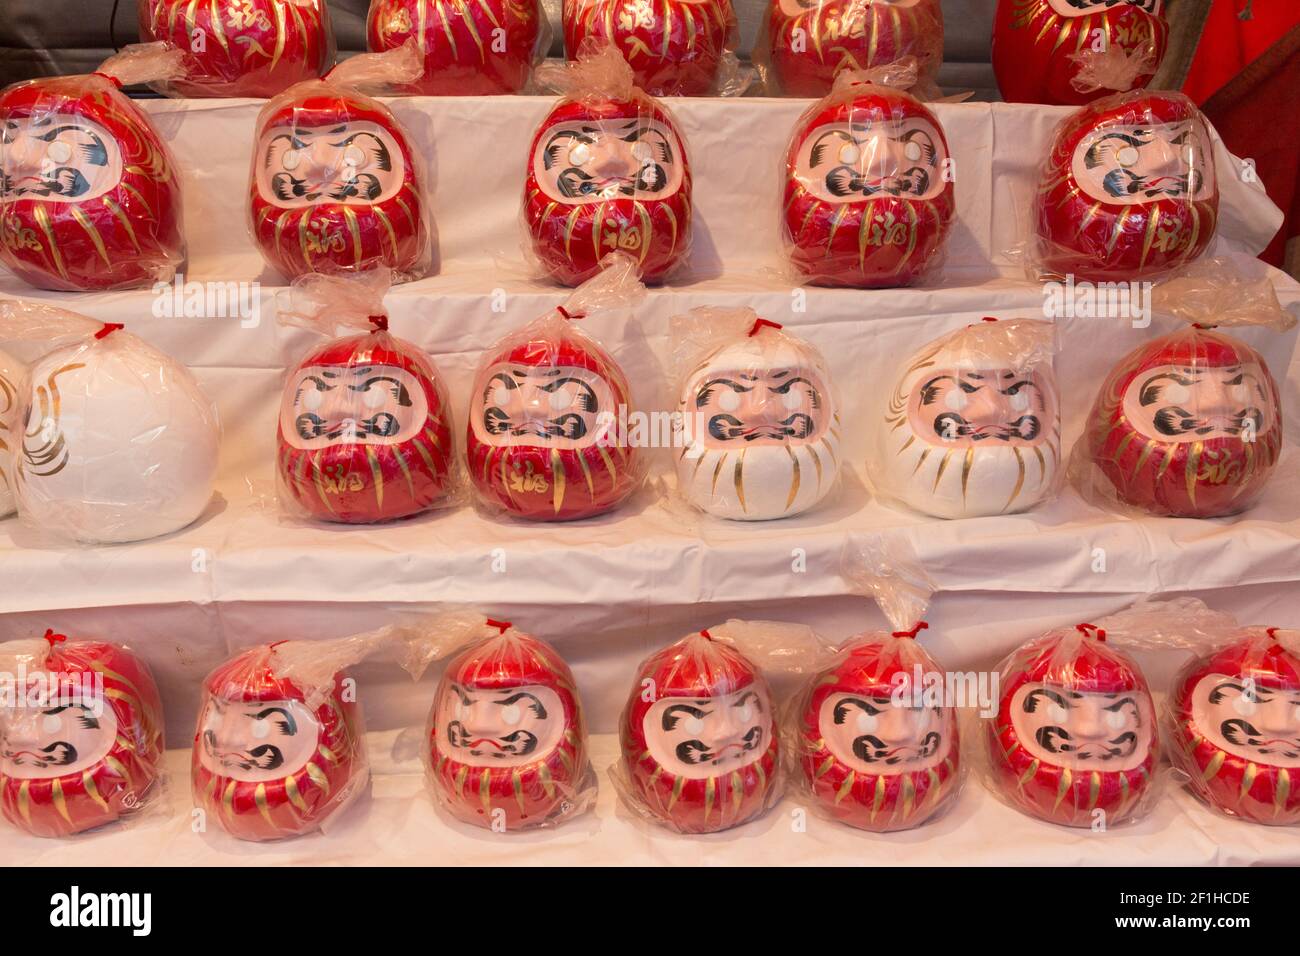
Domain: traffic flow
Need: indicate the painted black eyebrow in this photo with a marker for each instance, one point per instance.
(290, 725)
(669, 719)
(748, 694)
(1217, 695)
(524, 695)
(1151, 391)
(1119, 704)
(1031, 704)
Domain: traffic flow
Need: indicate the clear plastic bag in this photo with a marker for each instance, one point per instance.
(1189, 424)
(1042, 48)
(1234, 717)
(241, 47)
(90, 195)
(951, 442)
(544, 439)
(334, 185)
(868, 185)
(469, 47)
(1129, 190)
(81, 735)
(506, 740)
(608, 172)
(121, 443)
(364, 431)
(808, 43)
(760, 417)
(674, 47)
(13, 389)
(875, 747)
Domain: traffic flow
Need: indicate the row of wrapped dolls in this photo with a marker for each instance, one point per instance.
(1044, 51)
(877, 735)
(91, 195)
(107, 439)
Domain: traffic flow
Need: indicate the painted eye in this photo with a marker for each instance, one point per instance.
(261, 729)
(1020, 400)
(867, 723)
(373, 397)
(460, 710)
(694, 726)
(312, 399)
(1115, 719)
(561, 399)
(746, 713)
(956, 399)
(1128, 156)
(792, 400)
(580, 155)
(850, 154)
(728, 401)
(1058, 713)
(354, 156)
(1295, 717)
(1240, 393)
(58, 152)
(1244, 706)
(291, 159)
(643, 152)
(913, 151)
(1178, 394)
(511, 714)
(500, 395)
(53, 723)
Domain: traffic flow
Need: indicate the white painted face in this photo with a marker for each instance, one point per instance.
(256, 741)
(40, 743)
(594, 161)
(511, 727)
(57, 157)
(704, 737)
(1172, 403)
(854, 162)
(327, 405)
(1130, 165)
(1250, 721)
(1083, 731)
(872, 735)
(1083, 8)
(356, 164)
(551, 406)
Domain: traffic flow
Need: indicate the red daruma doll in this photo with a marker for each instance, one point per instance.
(469, 47)
(1074, 741)
(507, 746)
(699, 737)
(81, 736)
(1235, 715)
(543, 440)
(241, 47)
(1046, 51)
(334, 185)
(812, 41)
(868, 187)
(675, 47)
(1129, 190)
(607, 172)
(90, 197)
(365, 429)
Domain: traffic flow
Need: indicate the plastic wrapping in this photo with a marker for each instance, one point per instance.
(81, 735)
(470, 47)
(810, 42)
(1129, 190)
(545, 438)
(868, 185)
(1190, 423)
(13, 389)
(607, 172)
(759, 416)
(364, 429)
(334, 184)
(1041, 48)
(507, 744)
(120, 442)
(241, 47)
(972, 425)
(699, 735)
(675, 47)
(1234, 717)
(875, 739)
(90, 196)
(1075, 740)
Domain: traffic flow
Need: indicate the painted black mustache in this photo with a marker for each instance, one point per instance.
(951, 425)
(265, 757)
(697, 751)
(65, 181)
(58, 754)
(727, 427)
(519, 743)
(1243, 733)
(575, 184)
(1122, 182)
(845, 180)
(365, 186)
(311, 425)
(871, 749)
(570, 425)
(1179, 421)
(1057, 740)
(1147, 5)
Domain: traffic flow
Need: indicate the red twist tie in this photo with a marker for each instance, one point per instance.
(501, 626)
(108, 76)
(989, 318)
(571, 316)
(1272, 632)
(1091, 630)
(54, 638)
(920, 626)
(706, 635)
(108, 328)
(380, 322)
(760, 324)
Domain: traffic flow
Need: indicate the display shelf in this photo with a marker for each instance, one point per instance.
(398, 825)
